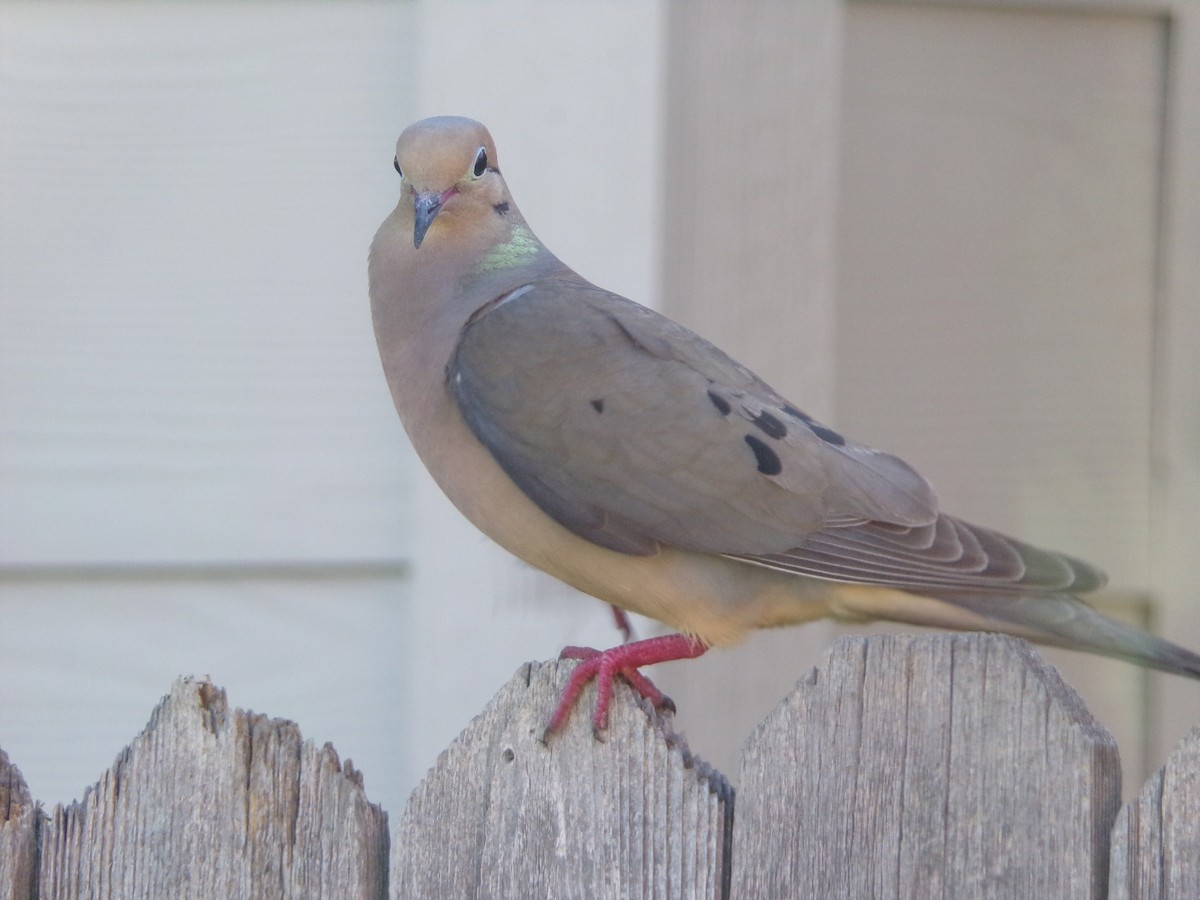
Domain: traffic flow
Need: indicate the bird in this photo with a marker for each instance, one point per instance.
(618, 451)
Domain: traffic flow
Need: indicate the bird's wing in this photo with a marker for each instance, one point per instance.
(944, 557)
(633, 432)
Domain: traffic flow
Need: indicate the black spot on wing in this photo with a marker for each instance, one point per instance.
(501, 208)
(720, 403)
(769, 425)
(828, 435)
(598, 405)
(768, 459)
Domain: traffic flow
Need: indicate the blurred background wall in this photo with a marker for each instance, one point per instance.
(961, 231)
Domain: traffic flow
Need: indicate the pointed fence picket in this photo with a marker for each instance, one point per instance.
(935, 766)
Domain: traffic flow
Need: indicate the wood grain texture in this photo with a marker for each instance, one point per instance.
(209, 802)
(942, 766)
(502, 815)
(1156, 838)
(19, 819)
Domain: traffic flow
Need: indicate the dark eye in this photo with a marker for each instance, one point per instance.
(480, 163)
(396, 165)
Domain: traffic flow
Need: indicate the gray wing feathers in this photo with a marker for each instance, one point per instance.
(947, 554)
(868, 483)
(633, 432)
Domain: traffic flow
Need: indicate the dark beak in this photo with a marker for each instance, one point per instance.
(426, 206)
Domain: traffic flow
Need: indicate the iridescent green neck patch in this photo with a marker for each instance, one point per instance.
(519, 249)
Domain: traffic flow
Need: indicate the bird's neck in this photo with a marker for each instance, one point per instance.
(422, 298)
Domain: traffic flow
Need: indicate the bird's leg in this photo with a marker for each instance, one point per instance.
(620, 661)
(623, 624)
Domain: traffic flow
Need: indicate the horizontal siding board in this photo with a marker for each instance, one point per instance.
(187, 370)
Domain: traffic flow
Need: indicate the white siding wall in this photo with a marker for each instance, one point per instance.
(200, 468)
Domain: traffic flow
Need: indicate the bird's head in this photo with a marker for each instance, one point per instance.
(448, 166)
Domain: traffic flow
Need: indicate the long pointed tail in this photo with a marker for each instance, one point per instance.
(1060, 620)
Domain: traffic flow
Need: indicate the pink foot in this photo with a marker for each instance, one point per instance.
(620, 661)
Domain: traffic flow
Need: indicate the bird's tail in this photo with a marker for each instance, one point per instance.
(1060, 620)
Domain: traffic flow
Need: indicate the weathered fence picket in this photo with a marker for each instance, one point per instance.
(1155, 848)
(960, 766)
(212, 803)
(504, 815)
(19, 822)
(937, 766)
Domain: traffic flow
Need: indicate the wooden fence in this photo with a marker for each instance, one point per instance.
(947, 766)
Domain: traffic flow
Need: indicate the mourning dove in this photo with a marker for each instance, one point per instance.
(621, 453)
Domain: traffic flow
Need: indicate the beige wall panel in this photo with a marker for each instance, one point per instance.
(1000, 182)
(750, 184)
(1001, 176)
(1000, 304)
(1176, 528)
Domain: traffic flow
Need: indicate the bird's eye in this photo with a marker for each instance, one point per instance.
(396, 166)
(480, 163)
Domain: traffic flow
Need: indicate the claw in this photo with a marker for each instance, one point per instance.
(622, 662)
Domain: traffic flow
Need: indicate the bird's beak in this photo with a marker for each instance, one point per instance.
(426, 206)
